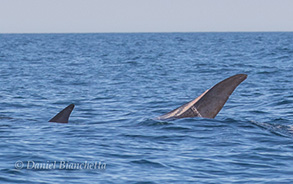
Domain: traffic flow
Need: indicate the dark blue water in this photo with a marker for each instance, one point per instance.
(120, 82)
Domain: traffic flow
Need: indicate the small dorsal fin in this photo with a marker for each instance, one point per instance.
(208, 104)
(63, 116)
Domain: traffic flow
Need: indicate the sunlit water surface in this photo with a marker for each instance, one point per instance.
(120, 83)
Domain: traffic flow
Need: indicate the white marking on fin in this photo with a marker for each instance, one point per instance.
(196, 111)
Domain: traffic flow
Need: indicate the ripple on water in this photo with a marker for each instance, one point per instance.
(119, 82)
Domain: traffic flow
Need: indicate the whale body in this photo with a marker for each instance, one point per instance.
(209, 103)
(63, 116)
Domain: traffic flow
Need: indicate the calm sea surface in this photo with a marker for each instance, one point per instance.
(120, 83)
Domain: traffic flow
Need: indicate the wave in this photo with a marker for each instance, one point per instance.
(278, 129)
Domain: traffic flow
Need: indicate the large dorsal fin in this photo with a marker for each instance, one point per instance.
(63, 116)
(208, 104)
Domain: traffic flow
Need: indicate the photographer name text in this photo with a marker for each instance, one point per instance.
(61, 165)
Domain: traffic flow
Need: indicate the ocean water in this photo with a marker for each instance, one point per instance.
(120, 83)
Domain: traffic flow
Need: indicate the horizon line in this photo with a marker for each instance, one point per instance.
(145, 32)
